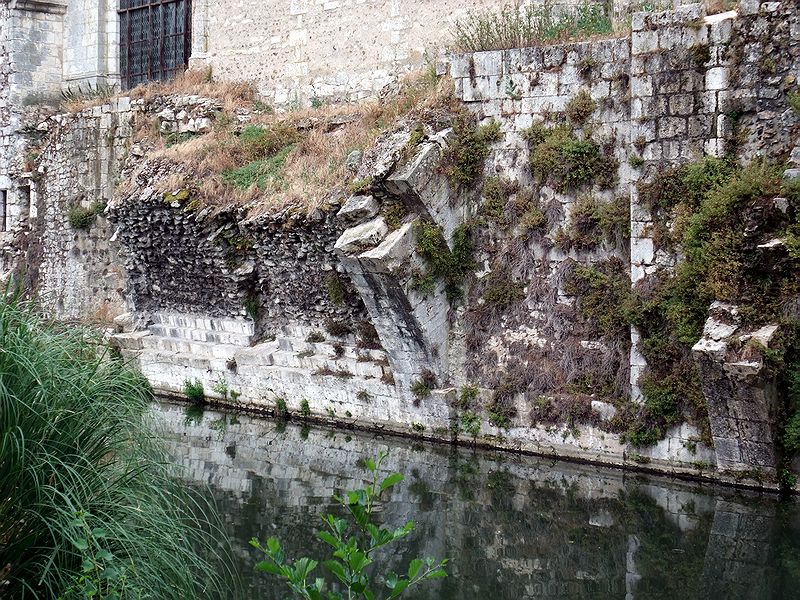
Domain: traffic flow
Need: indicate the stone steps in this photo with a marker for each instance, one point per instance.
(216, 324)
(159, 343)
(200, 335)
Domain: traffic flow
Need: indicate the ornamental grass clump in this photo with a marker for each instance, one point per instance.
(90, 507)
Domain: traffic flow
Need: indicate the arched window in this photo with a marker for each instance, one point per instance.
(155, 39)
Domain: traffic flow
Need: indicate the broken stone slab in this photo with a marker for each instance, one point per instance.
(361, 237)
(394, 251)
(358, 208)
(722, 322)
(791, 174)
(740, 390)
(421, 185)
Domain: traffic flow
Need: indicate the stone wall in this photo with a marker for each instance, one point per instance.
(91, 44)
(245, 306)
(79, 274)
(297, 50)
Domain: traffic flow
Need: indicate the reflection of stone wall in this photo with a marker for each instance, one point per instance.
(514, 527)
(741, 553)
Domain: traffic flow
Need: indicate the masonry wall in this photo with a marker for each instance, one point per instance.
(182, 278)
(91, 44)
(75, 269)
(296, 50)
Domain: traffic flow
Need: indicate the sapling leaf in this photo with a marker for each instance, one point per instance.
(338, 570)
(401, 586)
(391, 480)
(269, 567)
(414, 567)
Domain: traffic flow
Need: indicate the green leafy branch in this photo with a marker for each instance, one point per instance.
(353, 549)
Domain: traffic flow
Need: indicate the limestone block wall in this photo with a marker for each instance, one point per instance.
(91, 44)
(297, 50)
(77, 271)
(248, 303)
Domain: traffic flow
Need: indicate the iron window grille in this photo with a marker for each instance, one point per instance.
(155, 39)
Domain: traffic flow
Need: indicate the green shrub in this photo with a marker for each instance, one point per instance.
(89, 495)
(593, 221)
(221, 387)
(315, 337)
(501, 290)
(462, 160)
(422, 387)
(281, 410)
(566, 162)
(580, 108)
(449, 266)
(533, 219)
(470, 424)
(335, 289)
(194, 391)
(501, 407)
(604, 296)
(80, 217)
(305, 409)
(337, 327)
(469, 393)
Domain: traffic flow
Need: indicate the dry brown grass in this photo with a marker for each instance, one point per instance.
(199, 82)
(314, 170)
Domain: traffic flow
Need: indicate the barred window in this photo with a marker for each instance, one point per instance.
(3, 210)
(155, 39)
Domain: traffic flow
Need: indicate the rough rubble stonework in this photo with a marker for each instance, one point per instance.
(244, 306)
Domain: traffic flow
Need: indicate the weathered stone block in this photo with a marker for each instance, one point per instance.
(358, 208)
(363, 236)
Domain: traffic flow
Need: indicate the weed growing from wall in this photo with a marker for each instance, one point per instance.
(462, 161)
(194, 391)
(81, 217)
(443, 264)
(717, 214)
(521, 27)
(580, 108)
(593, 221)
(566, 162)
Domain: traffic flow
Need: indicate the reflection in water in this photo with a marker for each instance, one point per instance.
(514, 527)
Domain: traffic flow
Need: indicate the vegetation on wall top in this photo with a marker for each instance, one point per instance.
(516, 26)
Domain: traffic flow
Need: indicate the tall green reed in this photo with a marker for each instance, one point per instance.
(89, 506)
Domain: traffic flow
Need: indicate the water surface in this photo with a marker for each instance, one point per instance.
(515, 527)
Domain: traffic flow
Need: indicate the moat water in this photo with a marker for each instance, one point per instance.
(514, 527)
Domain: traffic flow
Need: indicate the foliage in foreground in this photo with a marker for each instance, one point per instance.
(89, 508)
(354, 548)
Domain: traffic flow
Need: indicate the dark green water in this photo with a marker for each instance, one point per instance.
(514, 527)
